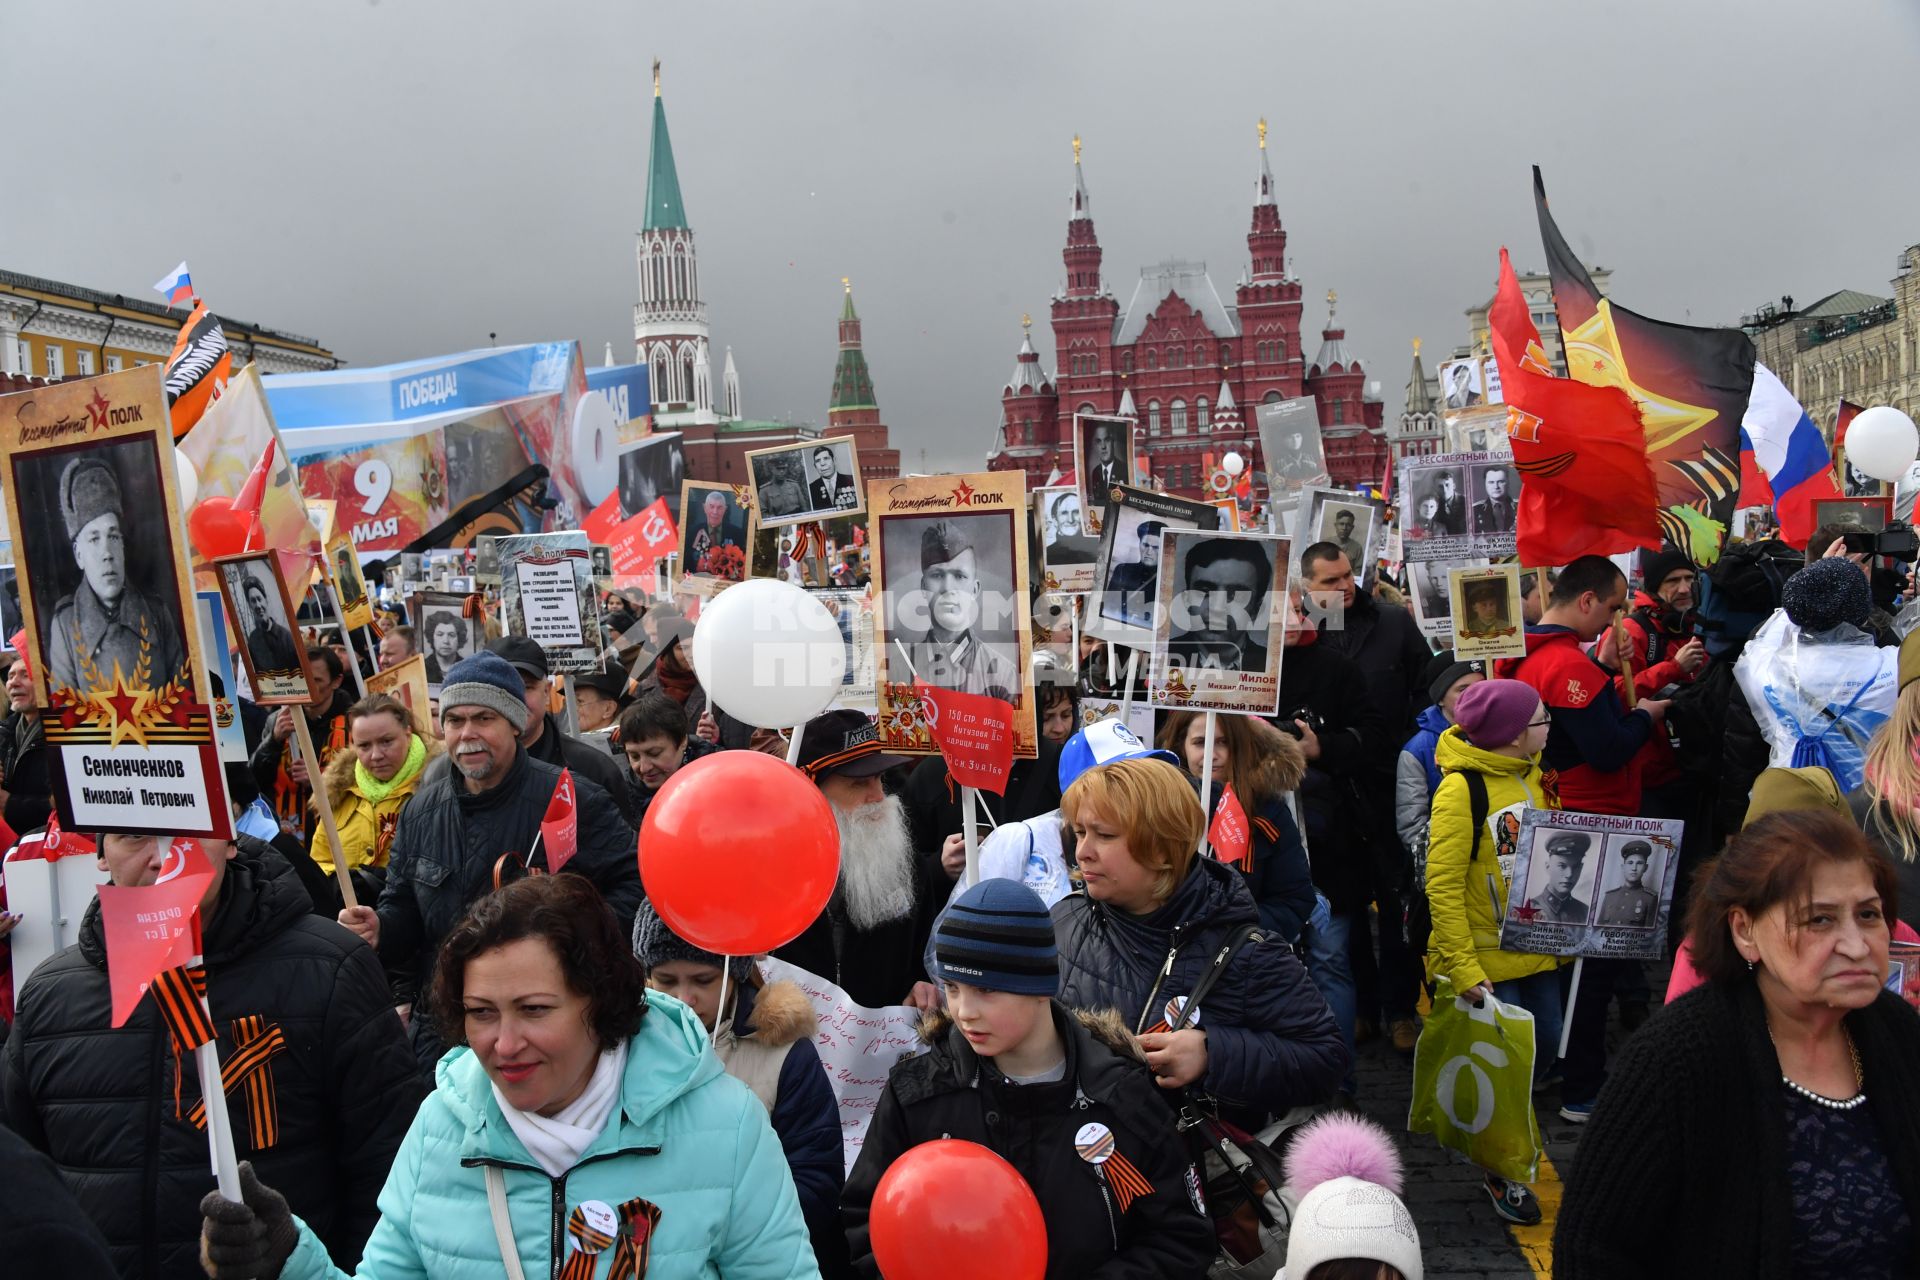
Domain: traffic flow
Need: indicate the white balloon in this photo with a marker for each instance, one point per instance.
(189, 480)
(1233, 464)
(1882, 442)
(768, 653)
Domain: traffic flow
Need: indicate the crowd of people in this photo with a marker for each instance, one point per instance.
(482, 1069)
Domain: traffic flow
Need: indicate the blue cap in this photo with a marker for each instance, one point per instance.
(1103, 742)
(998, 936)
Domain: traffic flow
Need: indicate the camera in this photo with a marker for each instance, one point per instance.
(1897, 541)
(1307, 716)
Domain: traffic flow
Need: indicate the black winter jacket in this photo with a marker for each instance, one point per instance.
(932, 798)
(1385, 643)
(1345, 833)
(875, 966)
(443, 855)
(588, 760)
(1271, 1040)
(1276, 869)
(26, 773)
(42, 1230)
(950, 1092)
(1683, 1169)
(100, 1099)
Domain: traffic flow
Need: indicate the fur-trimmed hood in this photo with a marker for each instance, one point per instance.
(1282, 763)
(779, 1014)
(338, 779)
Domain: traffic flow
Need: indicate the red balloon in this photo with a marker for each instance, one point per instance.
(953, 1210)
(739, 852)
(216, 528)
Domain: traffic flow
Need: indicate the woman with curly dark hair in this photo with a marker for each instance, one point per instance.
(578, 1114)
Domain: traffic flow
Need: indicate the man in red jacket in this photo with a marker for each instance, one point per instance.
(1594, 744)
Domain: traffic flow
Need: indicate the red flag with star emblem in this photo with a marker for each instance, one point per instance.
(1585, 484)
(149, 929)
(975, 735)
(560, 826)
(1230, 834)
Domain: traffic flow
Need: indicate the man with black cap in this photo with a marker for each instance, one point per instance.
(543, 737)
(870, 938)
(949, 654)
(107, 625)
(1566, 855)
(598, 699)
(1631, 904)
(474, 822)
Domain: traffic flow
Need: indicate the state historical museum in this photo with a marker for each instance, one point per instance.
(1186, 366)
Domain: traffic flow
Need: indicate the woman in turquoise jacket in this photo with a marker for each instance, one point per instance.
(583, 1129)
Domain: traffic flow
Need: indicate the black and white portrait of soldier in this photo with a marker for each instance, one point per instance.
(832, 487)
(1496, 505)
(950, 583)
(1133, 582)
(264, 625)
(1219, 614)
(1460, 384)
(115, 624)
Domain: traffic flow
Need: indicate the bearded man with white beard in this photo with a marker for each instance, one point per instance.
(870, 938)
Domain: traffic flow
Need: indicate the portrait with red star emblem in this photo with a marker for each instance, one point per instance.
(106, 606)
(803, 483)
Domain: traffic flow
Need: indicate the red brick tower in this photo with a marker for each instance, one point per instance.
(854, 410)
(1268, 302)
(1083, 320)
(1031, 439)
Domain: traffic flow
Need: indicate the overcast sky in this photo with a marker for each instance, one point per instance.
(398, 178)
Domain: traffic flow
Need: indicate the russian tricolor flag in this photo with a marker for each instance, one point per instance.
(177, 285)
(1783, 459)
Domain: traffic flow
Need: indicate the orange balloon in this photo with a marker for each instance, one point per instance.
(953, 1210)
(739, 852)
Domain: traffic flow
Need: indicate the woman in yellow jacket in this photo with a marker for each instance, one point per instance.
(370, 783)
(1498, 732)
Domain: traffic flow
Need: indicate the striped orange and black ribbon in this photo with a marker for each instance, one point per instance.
(247, 1070)
(638, 1220)
(1128, 1182)
(587, 1244)
(181, 995)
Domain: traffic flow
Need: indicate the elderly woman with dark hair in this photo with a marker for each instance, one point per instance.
(1764, 1124)
(580, 1114)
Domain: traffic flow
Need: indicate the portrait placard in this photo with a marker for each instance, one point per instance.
(853, 612)
(547, 595)
(1343, 518)
(1220, 622)
(270, 643)
(713, 531)
(1290, 442)
(1068, 547)
(1127, 573)
(952, 594)
(1485, 606)
(1102, 459)
(1462, 384)
(1459, 506)
(406, 681)
(1588, 884)
(650, 469)
(841, 561)
(1855, 483)
(446, 633)
(107, 606)
(1428, 593)
(811, 480)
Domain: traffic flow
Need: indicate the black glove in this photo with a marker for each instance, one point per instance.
(249, 1241)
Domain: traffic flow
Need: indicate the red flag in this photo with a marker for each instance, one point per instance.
(975, 734)
(599, 523)
(183, 857)
(254, 491)
(1230, 834)
(64, 844)
(1586, 487)
(149, 930)
(1841, 421)
(560, 828)
(638, 542)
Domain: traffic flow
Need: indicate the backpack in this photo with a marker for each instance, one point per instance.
(1739, 592)
(1419, 926)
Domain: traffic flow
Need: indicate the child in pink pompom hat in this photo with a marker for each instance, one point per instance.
(1344, 1179)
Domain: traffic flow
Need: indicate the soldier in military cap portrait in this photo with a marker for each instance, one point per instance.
(1566, 857)
(941, 615)
(109, 629)
(1632, 904)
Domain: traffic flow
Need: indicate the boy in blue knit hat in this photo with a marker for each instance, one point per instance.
(1063, 1097)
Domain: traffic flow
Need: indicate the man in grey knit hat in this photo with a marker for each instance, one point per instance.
(107, 629)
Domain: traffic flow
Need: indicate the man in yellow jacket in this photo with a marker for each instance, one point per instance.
(1495, 742)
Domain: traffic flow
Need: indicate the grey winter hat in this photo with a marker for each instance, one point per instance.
(1827, 593)
(486, 680)
(655, 945)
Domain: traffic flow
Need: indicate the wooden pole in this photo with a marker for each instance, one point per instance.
(1623, 653)
(314, 782)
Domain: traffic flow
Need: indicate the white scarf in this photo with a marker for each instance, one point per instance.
(556, 1141)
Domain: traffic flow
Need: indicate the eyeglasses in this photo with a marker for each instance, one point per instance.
(1540, 724)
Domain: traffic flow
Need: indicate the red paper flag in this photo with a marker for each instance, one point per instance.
(600, 522)
(183, 857)
(975, 734)
(149, 930)
(1230, 834)
(253, 491)
(1586, 486)
(638, 542)
(560, 828)
(65, 844)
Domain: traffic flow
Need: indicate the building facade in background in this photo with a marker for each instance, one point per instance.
(1189, 368)
(1537, 288)
(1849, 345)
(53, 330)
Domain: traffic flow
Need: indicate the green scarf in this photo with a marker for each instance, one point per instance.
(377, 791)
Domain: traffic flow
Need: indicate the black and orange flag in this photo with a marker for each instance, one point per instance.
(197, 369)
(1586, 487)
(1692, 385)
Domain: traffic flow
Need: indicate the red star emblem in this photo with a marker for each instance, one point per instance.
(125, 703)
(97, 409)
(962, 495)
(1525, 915)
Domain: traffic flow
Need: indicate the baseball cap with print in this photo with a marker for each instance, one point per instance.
(843, 742)
(1103, 742)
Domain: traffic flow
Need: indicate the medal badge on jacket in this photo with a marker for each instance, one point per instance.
(1094, 1143)
(594, 1226)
